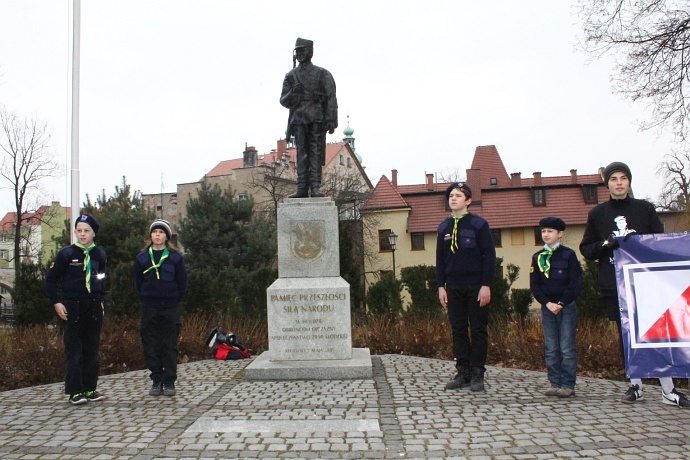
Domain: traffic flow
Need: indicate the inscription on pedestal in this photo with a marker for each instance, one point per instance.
(306, 322)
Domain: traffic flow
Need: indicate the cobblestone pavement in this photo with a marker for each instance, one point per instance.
(403, 412)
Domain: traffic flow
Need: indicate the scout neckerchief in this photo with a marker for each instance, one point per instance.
(87, 262)
(154, 265)
(544, 259)
(454, 238)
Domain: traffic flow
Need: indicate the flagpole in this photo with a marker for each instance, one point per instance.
(76, 37)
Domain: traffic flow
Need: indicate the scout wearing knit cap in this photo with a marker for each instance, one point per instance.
(616, 166)
(163, 225)
(89, 220)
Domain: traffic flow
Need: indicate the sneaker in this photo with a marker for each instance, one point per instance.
(634, 394)
(553, 391)
(94, 396)
(169, 389)
(77, 399)
(477, 382)
(565, 392)
(156, 389)
(461, 380)
(675, 398)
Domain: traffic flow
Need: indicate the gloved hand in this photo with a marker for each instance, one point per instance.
(611, 243)
(625, 238)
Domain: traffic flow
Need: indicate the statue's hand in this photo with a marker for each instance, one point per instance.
(297, 88)
(330, 127)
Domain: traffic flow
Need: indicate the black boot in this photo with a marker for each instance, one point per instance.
(461, 380)
(477, 382)
(300, 193)
(316, 192)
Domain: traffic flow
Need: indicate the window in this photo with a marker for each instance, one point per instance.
(493, 181)
(348, 162)
(384, 244)
(3, 254)
(496, 236)
(342, 162)
(538, 197)
(159, 207)
(242, 197)
(517, 237)
(589, 193)
(537, 237)
(384, 273)
(417, 241)
(3, 238)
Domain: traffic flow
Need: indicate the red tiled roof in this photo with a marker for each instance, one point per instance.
(9, 221)
(502, 205)
(488, 161)
(562, 180)
(225, 167)
(384, 196)
(513, 207)
(427, 212)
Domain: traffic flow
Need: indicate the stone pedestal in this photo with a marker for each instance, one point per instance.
(309, 328)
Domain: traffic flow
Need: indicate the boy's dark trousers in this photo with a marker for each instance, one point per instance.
(463, 312)
(160, 330)
(82, 341)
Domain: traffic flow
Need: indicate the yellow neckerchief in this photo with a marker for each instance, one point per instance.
(154, 265)
(87, 262)
(454, 238)
(544, 259)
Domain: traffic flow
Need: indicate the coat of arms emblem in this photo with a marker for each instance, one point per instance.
(308, 238)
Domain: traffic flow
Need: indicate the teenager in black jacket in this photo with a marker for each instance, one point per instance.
(160, 279)
(619, 216)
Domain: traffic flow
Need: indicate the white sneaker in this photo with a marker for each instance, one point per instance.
(674, 398)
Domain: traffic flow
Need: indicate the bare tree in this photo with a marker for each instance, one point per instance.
(651, 44)
(675, 171)
(27, 161)
(273, 183)
(450, 175)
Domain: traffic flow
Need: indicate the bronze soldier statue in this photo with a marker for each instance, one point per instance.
(309, 93)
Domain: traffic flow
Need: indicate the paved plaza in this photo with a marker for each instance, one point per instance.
(403, 412)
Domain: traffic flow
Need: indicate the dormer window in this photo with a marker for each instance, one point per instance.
(589, 193)
(538, 197)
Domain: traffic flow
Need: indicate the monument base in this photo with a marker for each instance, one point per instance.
(357, 367)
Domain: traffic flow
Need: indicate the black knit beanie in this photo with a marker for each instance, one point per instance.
(616, 166)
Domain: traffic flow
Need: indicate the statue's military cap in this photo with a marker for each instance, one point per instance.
(303, 43)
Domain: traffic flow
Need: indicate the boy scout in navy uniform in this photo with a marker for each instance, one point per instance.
(465, 261)
(555, 279)
(75, 285)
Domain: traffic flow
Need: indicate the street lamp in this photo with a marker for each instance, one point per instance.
(393, 241)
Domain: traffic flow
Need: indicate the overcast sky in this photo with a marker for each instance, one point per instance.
(172, 87)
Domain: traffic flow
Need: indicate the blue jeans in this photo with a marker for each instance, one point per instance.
(560, 332)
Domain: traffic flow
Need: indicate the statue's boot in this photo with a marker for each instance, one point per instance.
(302, 192)
(316, 192)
